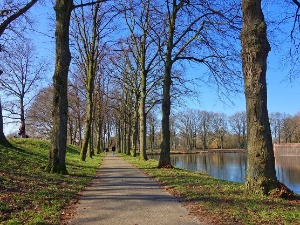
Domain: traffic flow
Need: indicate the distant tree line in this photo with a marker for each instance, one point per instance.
(190, 129)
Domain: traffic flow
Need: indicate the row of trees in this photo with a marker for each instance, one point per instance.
(190, 129)
(161, 36)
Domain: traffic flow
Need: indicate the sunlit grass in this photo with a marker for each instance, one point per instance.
(223, 202)
(28, 194)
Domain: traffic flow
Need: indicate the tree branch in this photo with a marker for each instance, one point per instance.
(297, 3)
(89, 3)
(15, 15)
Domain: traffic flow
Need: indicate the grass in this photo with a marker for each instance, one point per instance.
(222, 202)
(29, 195)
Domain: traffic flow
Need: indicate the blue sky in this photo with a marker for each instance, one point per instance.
(282, 95)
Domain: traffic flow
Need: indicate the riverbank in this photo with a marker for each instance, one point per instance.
(219, 201)
(199, 151)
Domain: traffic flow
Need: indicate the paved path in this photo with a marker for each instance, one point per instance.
(122, 194)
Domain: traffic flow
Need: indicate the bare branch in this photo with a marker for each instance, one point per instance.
(15, 15)
(89, 3)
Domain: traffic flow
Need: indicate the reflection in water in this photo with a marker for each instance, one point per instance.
(288, 171)
(232, 166)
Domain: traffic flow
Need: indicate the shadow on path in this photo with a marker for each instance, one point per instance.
(122, 194)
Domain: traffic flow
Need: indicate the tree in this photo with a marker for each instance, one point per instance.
(261, 175)
(39, 118)
(238, 125)
(57, 153)
(204, 127)
(201, 33)
(128, 95)
(187, 127)
(87, 35)
(219, 127)
(141, 24)
(276, 126)
(23, 75)
(76, 110)
(10, 16)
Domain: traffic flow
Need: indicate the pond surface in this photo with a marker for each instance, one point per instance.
(232, 166)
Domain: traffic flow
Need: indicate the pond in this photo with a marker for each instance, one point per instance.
(232, 166)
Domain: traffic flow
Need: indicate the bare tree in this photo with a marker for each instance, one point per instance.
(139, 17)
(219, 127)
(23, 73)
(261, 176)
(238, 124)
(276, 125)
(200, 32)
(89, 30)
(204, 127)
(39, 119)
(187, 123)
(57, 153)
(8, 16)
(127, 82)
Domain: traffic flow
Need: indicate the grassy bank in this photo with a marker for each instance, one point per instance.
(28, 195)
(222, 202)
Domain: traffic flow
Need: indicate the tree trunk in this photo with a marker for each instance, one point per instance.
(88, 125)
(142, 114)
(129, 134)
(135, 130)
(22, 117)
(3, 140)
(164, 159)
(261, 176)
(57, 156)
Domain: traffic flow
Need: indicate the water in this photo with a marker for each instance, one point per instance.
(232, 166)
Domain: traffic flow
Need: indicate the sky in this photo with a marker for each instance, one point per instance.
(282, 95)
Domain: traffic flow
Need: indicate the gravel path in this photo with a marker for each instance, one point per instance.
(122, 194)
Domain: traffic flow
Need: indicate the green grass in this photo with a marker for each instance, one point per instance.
(28, 194)
(222, 202)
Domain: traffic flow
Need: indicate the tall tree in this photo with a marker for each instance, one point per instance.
(87, 39)
(10, 16)
(57, 153)
(261, 175)
(140, 22)
(201, 33)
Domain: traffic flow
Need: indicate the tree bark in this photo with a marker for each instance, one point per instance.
(88, 125)
(261, 176)
(3, 139)
(57, 156)
(142, 114)
(164, 159)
